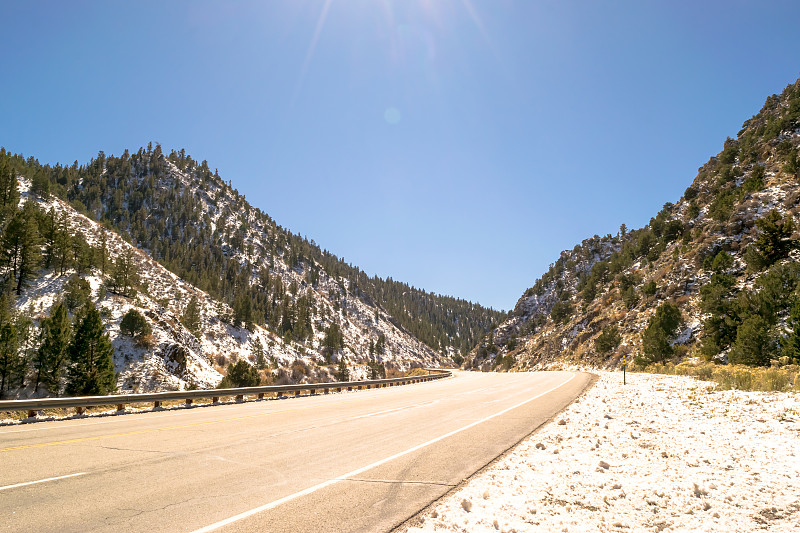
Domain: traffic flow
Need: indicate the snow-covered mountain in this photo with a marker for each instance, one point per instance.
(260, 293)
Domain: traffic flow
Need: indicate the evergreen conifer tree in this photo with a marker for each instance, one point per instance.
(9, 192)
(608, 340)
(52, 354)
(91, 363)
(125, 275)
(8, 343)
(103, 259)
(22, 245)
(26, 347)
(191, 315)
(774, 242)
(258, 353)
(661, 330)
(792, 343)
(754, 345)
(342, 372)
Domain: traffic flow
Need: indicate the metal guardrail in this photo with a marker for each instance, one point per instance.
(80, 403)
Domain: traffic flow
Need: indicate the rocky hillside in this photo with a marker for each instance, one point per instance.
(719, 265)
(216, 279)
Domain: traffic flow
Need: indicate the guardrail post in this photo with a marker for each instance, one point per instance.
(80, 410)
(188, 402)
(296, 393)
(31, 413)
(215, 399)
(157, 404)
(120, 407)
(327, 391)
(240, 397)
(260, 395)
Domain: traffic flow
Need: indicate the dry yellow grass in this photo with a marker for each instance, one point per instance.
(776, 378)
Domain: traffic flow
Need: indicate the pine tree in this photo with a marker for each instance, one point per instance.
(608, 340)
(754, 344)
(91, 363)
(125, 275)
(661, 330)
(342, 372)
(9, 192)
(26, 347)
(380, 345)
(774, 242)
(258, 353)
(83, 255)
(243, 312)
(191, 316)
(792, 343)
(59, 243)
(103, 251)
(333, 341)
(8, 343)
(52, 354)
(22, 245)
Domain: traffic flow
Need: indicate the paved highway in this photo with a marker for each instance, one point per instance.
(358, 461)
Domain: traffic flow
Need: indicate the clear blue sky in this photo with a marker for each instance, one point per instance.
(458, 145)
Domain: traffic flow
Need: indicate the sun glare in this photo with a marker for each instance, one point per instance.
(412, 26)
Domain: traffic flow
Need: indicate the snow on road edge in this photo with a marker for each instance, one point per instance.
(663, 453)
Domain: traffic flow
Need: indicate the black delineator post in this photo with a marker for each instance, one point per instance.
(624, 366)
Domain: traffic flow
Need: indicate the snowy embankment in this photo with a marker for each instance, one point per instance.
(663, 453)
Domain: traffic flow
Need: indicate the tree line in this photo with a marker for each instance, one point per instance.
(205, 232)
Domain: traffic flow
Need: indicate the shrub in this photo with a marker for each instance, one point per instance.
(630, 298)
(782, 378)
(240, 374)
(608, 340)
(299, 370)
(649, 288)
(146, 341)
(135, 325)
(562, 312)
(694, 211)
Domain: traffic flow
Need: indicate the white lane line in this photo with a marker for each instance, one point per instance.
(377, 413)
(363, 469)
(41, 481)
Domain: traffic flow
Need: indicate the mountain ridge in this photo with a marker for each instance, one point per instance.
(607, 290)
(262, 294)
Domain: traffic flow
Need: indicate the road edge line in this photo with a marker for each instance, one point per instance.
(410, 521)
(324, 484)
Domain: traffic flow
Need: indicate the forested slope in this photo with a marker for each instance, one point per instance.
(714, 276)
(213, 282)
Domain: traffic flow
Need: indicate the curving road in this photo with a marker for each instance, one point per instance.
(360, 461)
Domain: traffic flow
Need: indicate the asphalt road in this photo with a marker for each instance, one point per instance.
(357, 461)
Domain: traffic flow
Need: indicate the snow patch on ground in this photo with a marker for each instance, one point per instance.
(663, 453)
